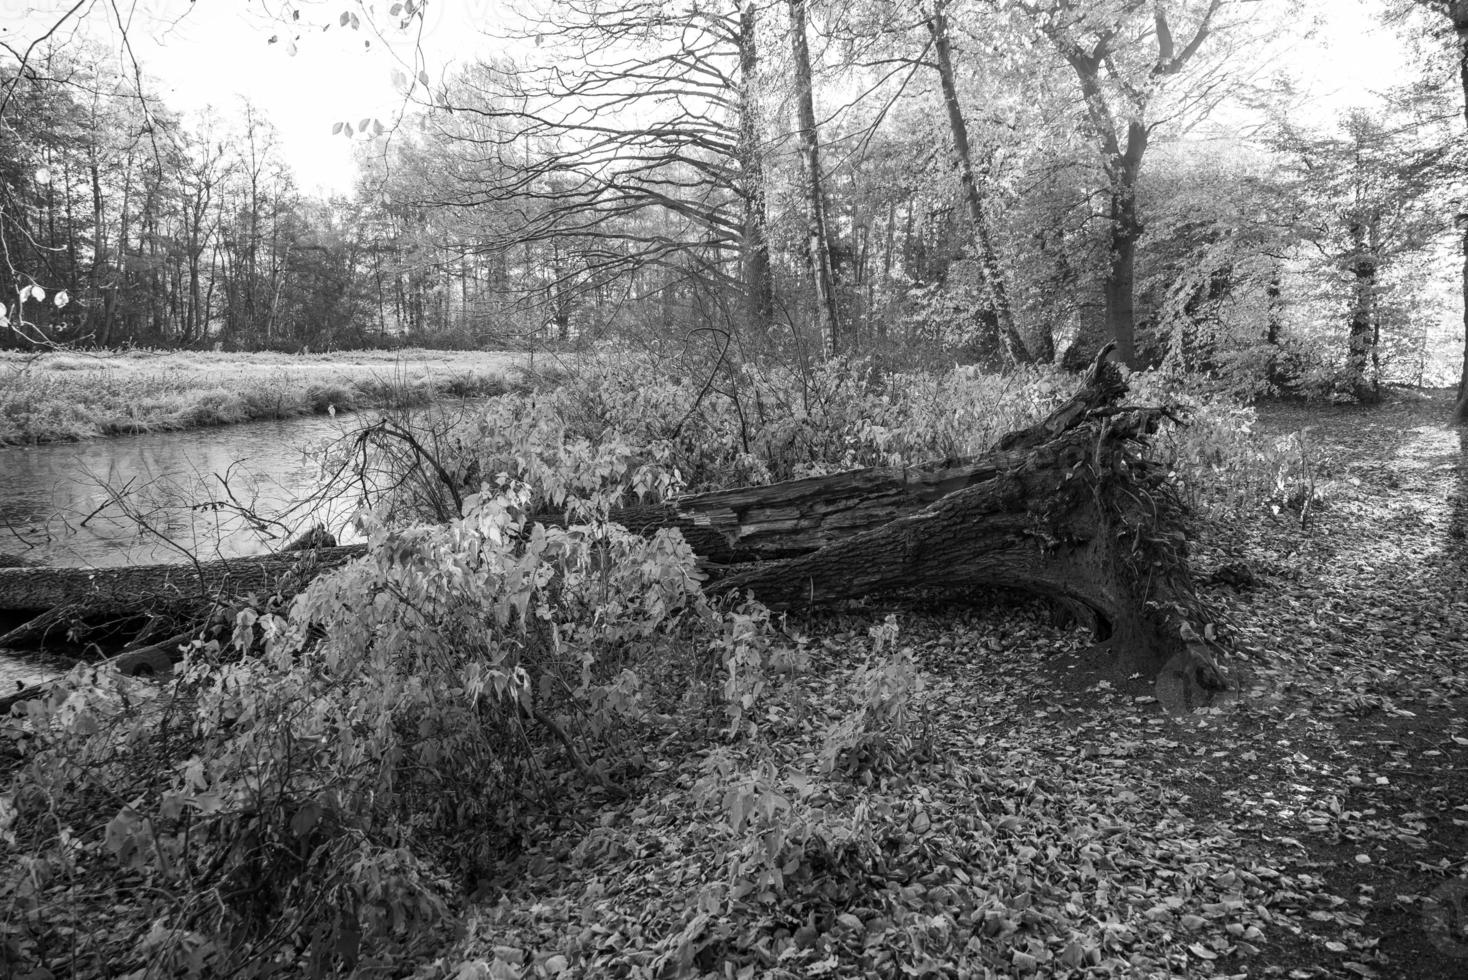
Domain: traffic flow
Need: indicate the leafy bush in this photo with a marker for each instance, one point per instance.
(392, 733)
(322, 397)
(216, 407)
(751, 424)
(876, 736)
(779, 836)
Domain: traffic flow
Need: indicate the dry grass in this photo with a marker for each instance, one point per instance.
(77, 395)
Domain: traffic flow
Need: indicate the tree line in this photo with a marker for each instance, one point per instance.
(1002, 181)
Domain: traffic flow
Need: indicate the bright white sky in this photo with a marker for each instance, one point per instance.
(214, 52)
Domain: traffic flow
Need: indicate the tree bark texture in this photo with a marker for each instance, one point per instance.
(818, 239)
(1457, 13)
(1460, 411)
(141, 588)
(759, 297)
(1361, 339)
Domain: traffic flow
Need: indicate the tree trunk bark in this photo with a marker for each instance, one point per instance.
(818, 245)
(1459, 13)
(1361, 338)
(759, 298)
(1126, 230)
(1460, 411)
(1121, 314)
(143, 588)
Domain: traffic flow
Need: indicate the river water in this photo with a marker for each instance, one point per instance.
(212, 493)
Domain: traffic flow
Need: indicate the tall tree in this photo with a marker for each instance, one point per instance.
(754, 246)
(994, 282)
(638, 152)
(1456, 12)
(1123, 54)
(1367, 198)
(817, 235)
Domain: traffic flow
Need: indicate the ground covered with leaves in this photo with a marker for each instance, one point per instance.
(1000, 811)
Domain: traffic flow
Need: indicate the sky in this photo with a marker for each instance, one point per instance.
(214, 52)
(316, 73)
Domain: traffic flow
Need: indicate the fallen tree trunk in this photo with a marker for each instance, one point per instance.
(1070, 509)
(153, 660)
(726, 526)
(801, 516)
(1084, 518)
(143, 588)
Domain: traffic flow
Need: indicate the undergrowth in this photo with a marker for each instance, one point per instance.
(756, 424)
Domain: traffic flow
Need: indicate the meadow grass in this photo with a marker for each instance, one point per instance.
(70, 395)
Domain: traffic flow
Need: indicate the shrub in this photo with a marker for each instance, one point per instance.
(211, 407)
(321, 397)
(755, 424)
(876, 736)
(321, 776)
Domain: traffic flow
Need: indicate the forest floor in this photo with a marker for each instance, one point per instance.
(1046, 823)
(69, 395)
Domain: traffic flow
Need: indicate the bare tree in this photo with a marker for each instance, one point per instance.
(640, 158)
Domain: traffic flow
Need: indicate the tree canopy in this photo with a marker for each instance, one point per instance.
(1000, 182)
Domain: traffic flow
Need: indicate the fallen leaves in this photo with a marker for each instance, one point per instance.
(1072, 828)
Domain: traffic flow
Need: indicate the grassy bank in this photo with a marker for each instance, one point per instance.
(63, 396)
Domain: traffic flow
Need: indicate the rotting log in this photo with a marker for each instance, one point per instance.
(1084, 518)
(186, 591)
(1070, 508)
(138, 589)
(785, 520)
(153, 660)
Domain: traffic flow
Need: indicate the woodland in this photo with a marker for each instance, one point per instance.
(998, 507)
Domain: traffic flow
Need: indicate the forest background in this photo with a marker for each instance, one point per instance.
(991, 183)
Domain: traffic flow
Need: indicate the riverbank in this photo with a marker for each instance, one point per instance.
(72, 395)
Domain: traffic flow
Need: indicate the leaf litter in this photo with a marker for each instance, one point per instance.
(1040, 821)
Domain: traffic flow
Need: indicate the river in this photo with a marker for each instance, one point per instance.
(159, 496)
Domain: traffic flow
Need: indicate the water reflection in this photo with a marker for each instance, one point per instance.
(153, 497)
(162, 497)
